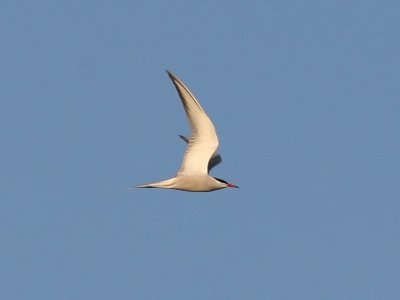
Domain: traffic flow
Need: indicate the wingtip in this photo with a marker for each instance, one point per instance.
(170, 74)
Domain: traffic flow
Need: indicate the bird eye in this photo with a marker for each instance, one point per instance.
(220, 180)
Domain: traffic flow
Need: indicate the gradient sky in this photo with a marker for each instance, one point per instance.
(305, 96)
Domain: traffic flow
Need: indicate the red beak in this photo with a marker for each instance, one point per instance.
(232, 186)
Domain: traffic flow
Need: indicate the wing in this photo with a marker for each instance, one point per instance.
(204, 140)
(215, 158)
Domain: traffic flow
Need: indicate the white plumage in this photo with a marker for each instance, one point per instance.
(201, 153)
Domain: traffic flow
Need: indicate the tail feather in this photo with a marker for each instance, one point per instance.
(145, 186)
(165, 184)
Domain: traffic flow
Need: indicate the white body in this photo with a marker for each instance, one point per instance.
(201, 154)
(195, 183)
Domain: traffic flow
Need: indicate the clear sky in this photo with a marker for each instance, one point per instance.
(305, 96)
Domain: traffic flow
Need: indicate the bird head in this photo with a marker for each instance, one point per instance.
(226, 183)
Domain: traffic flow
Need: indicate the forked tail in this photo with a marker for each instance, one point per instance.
(165, 184)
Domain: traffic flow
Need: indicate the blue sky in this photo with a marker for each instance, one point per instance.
(305, 96)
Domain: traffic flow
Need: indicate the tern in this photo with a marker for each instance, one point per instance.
(201, 153)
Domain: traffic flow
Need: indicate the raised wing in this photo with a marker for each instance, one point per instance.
(204, 140)
(215, 158)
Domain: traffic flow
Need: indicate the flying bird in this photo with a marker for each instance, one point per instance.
(201, 153)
